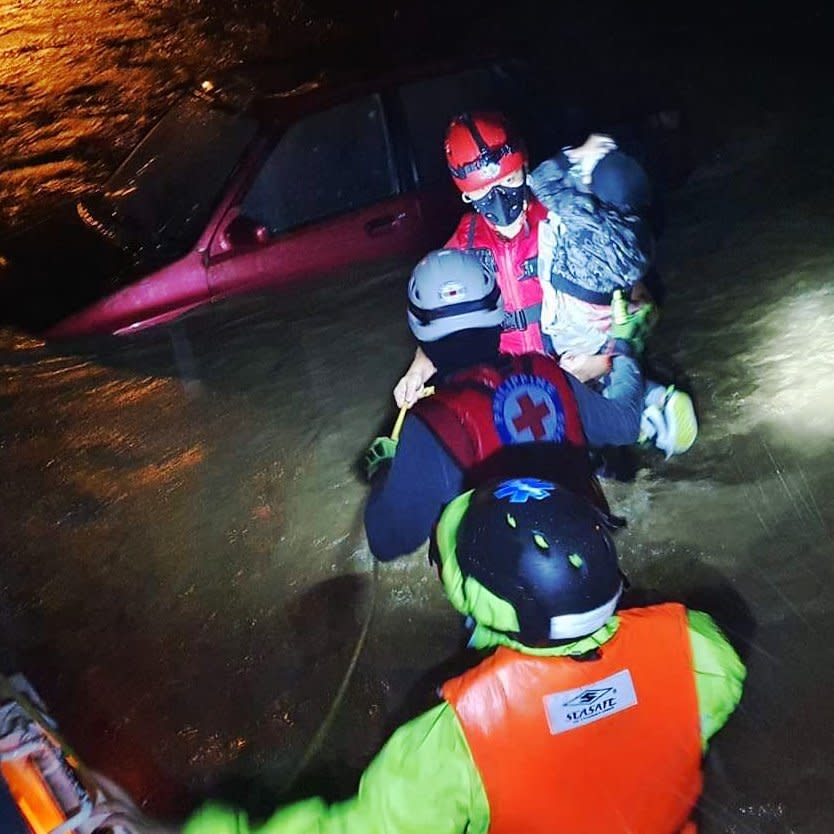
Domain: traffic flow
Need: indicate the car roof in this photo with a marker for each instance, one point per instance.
(276, 90)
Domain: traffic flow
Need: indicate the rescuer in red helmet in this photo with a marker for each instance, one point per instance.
(488, 163)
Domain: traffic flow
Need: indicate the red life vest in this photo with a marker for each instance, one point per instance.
(516, 417)
(606, 745)
(516, 269)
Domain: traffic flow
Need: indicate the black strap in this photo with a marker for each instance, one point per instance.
(470, 238)
(486, 154)
(560, 282)
(529, 268)
(488, 302)
(521, 319)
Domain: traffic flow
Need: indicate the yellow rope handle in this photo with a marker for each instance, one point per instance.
(425, 391)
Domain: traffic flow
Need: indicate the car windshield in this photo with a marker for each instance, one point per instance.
(160, 198)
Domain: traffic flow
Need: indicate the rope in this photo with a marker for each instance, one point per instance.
(398, 425)
(321, 733)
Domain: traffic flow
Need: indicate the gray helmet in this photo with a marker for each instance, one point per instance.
(452, 290)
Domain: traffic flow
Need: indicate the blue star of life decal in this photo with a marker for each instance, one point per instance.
(527, 409)
(518, 490)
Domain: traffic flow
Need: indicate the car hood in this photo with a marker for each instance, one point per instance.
(59, 266)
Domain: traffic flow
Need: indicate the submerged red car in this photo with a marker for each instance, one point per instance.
(253, 182)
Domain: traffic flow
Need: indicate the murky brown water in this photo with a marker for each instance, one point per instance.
(185, 576)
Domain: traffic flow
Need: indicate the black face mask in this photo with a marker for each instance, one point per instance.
(502, 204)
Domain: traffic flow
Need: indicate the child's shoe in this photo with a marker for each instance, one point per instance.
(670, 422)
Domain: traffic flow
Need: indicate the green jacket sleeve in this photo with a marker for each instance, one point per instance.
(719, 674)
(422, 780)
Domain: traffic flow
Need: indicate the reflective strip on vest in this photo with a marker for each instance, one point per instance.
(588, 747)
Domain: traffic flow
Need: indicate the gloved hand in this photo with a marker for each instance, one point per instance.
(633, 328)
(382, 449)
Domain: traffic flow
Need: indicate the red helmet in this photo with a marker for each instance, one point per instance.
(482, 148)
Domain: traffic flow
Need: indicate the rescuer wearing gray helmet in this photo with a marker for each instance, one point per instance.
(450, 291)
(491, 414)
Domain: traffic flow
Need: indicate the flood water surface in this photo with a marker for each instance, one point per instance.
(185, 576)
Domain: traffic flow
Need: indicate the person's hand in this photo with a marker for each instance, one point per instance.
(587, 155)
(382, 449)
(585, 367)
(635, 328)
(408, 390)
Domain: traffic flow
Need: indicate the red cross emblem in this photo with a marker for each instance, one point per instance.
(531, 417)
(528, 408)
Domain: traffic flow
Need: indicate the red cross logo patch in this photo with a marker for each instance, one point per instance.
(527, 409)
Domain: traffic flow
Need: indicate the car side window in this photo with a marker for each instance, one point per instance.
(326, 164)
(431, 103)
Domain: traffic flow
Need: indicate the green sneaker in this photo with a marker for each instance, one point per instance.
(671, 425)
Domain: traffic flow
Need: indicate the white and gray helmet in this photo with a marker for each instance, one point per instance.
(452, 290)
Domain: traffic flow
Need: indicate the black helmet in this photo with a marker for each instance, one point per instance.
(528, 558)
(451, 290)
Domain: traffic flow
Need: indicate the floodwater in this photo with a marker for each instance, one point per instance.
(185, 576)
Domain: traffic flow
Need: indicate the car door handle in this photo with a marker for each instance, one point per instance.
(384, 225)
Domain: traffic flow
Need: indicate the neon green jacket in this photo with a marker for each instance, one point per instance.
(424, 778)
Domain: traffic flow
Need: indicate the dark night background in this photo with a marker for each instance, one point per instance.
(183, 567)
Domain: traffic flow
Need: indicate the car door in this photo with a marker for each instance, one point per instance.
(328, 195)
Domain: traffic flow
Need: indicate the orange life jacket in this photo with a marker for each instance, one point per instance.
(601, 746)
(516, 271)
